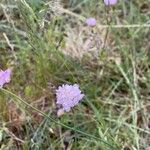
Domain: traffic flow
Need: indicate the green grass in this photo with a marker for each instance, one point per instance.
(115, 79)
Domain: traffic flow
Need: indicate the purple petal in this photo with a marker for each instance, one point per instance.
(110, 2)
(91, 22)
(68, 96)
(5, 77)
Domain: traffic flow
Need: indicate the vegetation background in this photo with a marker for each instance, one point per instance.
(47, 43)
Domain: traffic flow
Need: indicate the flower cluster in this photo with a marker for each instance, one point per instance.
(68, 96)
(91, 22)
(5, 77)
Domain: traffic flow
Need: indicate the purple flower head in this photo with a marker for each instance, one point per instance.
(5, 77)
(68, 96)
(91, 22)
(110, 2)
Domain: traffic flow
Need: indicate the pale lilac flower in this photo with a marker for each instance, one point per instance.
(91, 22)
(110, 2)
(68, 96)
(5, 77)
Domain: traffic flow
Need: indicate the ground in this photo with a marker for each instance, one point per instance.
(47, 44)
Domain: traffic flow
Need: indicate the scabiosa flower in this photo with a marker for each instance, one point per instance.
(110, 2)
(91, 22)
(68, 96)
(5, 77)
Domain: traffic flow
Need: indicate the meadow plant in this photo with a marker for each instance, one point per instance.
(68, 96)
(5, 77)
(48, 43)
(91, 22)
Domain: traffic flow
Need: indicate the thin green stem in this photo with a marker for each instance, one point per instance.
(57, 122)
